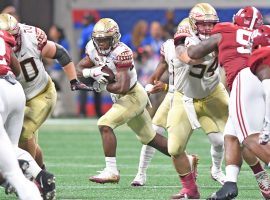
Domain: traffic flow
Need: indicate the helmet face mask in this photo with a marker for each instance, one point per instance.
(202, 18)
(106, 35)
(249, 17)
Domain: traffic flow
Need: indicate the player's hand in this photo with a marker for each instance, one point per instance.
(96, 74)
(148, 88)
(99, 87)
(159, 86)
(77, 85)
(264, 136)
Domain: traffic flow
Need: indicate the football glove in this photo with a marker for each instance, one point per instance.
(96, 74)
(77, 85)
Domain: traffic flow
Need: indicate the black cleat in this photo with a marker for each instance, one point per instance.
(46, 184)
(227, 192)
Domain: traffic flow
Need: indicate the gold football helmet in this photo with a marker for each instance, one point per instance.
(106, 30)
(202, 13)
(183, 31)
(9, 23)
(184, 23)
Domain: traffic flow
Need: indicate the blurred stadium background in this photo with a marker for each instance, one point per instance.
(69, 15)
(73, 147)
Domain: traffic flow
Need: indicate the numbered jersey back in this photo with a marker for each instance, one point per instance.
(6, 44)
(33, 76)
(233, 50)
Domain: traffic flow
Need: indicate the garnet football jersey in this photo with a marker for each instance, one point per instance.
(258, 57)
(233, 50)
(6, 43)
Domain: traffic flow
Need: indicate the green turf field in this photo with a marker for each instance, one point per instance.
(73, 151)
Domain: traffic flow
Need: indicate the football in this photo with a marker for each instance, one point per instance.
(111, 77)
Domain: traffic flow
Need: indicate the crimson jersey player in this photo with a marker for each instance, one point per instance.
(12, 101)
(7, 42)
(244, 124)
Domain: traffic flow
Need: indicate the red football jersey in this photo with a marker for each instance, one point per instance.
(6, 43)
(233, 51)
(258, 57)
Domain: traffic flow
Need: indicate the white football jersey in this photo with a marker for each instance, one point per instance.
(202, 79)
(33, 76)
(119, 57)
(178, 71)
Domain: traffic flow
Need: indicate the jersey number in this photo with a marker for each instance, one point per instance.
(2, 52)
(202, 69)
(29, 69)
(242, 38)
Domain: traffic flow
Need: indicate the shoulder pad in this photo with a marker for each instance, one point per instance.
(41, 38)
(124, 58)
(223, 27)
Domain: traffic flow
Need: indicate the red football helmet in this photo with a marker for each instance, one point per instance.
(261, 37)
(249, 17)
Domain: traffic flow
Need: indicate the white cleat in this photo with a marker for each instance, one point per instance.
(218, 175)
(139, 180)
(105, 176)
(262, 179)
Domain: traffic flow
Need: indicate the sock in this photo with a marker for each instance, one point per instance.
(217, 156)
(146, 156)
(217, 149)
(147, 152)
(111, 164)
(256, 168)
(232, 172)
(33, 169)
(188, 181)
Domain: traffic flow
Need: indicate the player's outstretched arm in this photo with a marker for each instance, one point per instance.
(56, 51)
(181, 51)
(204, 48)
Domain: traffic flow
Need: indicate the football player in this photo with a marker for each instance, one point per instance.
(32, 46)
(244, 124)
(203, 90)
(11, 117)
(130, 98)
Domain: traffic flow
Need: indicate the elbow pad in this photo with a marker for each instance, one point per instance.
(61, 55)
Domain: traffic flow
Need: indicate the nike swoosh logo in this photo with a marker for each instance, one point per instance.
(96, 75)
(23, 54)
